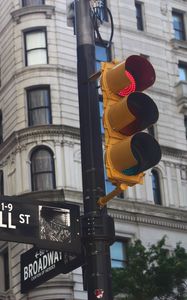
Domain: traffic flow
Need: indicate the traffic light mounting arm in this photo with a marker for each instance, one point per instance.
(103, 200)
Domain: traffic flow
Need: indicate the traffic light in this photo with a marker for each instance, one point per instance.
(127, 112)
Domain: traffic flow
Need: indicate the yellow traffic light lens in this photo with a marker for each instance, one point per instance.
(130, 88)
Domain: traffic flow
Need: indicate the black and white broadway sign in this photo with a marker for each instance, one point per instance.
(38, 266)
(48, 225)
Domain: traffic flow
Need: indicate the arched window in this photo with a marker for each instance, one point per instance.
(42, 169)
(156, 187)
(185, 124)
(32, 2)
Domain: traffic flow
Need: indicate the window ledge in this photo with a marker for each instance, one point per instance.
(181, 92)
(176, 44)
(48, 10)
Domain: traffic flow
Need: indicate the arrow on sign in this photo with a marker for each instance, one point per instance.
(38, 266)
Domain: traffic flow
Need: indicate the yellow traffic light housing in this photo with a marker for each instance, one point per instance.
(128, 111)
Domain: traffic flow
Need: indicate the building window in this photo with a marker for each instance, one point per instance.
(182, 72)
(139, 16)
(118, 254)
(156, 187)
(185, 124)
(32, 2)
(36, 47)
(102, 53)
(101, 113)
(5, 275)
(109, 187)
(0, 70)
(102, 12)
(39, 105)
(1, 127)
(178, 25)
(1, 183)
(42, 169)
(6, 270)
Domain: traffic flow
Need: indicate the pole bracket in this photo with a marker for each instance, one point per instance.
(99, 227)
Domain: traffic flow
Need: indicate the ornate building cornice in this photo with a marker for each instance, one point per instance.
(176, 153)
(49, 195)
(139, 213)
(62, 131)
(48, 10)
(148, 214)
(36, 133)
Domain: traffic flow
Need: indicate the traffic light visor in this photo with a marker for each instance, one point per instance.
(133, 113)
(146, 150)
(135, 154)
(141, 70)
(134, 74)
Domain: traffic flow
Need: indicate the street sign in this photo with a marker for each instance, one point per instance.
(48, 225)
(38, 266)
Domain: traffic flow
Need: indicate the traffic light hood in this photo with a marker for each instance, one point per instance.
(135, 70)
(146, 151)
(142, 71)
(135, 154)
(133, 113)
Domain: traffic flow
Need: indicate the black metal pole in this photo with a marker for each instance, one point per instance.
(97, 226)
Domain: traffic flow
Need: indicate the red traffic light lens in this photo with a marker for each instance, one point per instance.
(142, 71)
(130, 88)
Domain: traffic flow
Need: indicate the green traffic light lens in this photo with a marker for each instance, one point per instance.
(131, 171)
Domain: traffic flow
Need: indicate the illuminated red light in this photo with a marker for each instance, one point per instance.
(130, 88)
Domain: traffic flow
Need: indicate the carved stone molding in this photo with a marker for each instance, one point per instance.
(55, 133)
(164, 7)
(181, 92)
(77, 156)
(140, 213)
(7, 296)
(183, 173)
(68, 143)
(172, 152)
(149, 214)
(48, 10)
(175, 165)
(150, 220)
(50, 195)
(177, 44)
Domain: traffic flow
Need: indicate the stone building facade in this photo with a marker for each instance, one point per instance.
(39, 124)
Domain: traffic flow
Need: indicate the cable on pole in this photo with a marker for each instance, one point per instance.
(99, 13)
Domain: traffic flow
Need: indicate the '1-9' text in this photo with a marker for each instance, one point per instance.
(6, 217)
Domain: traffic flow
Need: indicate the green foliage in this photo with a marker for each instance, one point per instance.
(152, 272)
